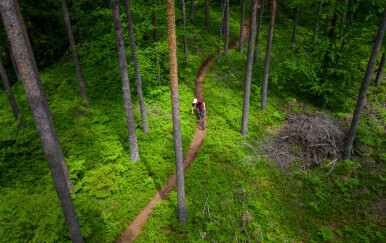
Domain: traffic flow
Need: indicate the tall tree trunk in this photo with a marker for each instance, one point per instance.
(11, 98)
(136, 67)
(184, 23)
(317, 22)
(342, 20)
(248, 74)
(327, 22)
(332, 37)
(13, 61)
(39, 83)
(41, 115)
(242, 27)
(134, 155)
(192, 10)
(295, 23)
(182, 212)
(380, 71)
(74, 52)
(256, 56)
(226, 48)
(362, 93)
(155, 33)
(221, 31)
(207, 15)
(264, 87)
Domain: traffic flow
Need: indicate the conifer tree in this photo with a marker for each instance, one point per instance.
(362, 93)
(136, 67)
(248, 74)
(9, 93)
(74, 52)
(226, 48)
(242, 26)
(134, 154)
(221, 32)
(155, 33)
(184, 23)
(192, 10)
(170, 15)
(295, 23)
(41, 114)
(264, 88)
(380, 71)
(317, 22)
(261, 10)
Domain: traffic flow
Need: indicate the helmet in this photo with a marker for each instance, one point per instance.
(194, 101)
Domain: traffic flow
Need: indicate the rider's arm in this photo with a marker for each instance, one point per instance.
(192, 108)
(204, 105)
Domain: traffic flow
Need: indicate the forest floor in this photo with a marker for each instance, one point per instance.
(135, 228)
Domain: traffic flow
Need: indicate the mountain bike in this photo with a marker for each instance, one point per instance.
(201, 121)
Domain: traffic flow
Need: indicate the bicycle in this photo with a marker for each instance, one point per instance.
(201, 121)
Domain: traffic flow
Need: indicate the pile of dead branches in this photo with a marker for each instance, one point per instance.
(312, 139)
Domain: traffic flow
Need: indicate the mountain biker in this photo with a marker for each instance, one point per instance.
(200, 106)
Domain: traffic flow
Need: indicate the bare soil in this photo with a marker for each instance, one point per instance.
(135, 228)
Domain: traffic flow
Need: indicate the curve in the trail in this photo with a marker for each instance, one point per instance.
(135, 228)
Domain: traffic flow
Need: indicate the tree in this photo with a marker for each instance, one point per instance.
(74, 52)
(184, 23)
(295, 22)
(207, 15)
(134, 154)
(264, 88)
(11, 98)
(155, 33)
(362, 93)
(39, 83)
(332, 38)
(192, 10)
(226, 48)
(248, 74)
(261, 10)
(342, 20)
(380, 71)
(317, 22)
(13, 61)
(221, 31)
(136, 67)
(182, 212)
(242, 26)
(41, 114)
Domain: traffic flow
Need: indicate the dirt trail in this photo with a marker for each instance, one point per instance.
(135, 228)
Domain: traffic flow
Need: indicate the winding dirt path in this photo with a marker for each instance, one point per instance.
(135, 228)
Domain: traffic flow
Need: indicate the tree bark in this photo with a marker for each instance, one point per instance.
(256, 56)
(242, 27)
(380, 71)
(155, 33)
(226, 48)
(264, 88)
(41, 115)
(11, 98)
(207, 15)
(182, 212)
(192, 10)
(248, 74)
(317, 22)
(295, 23)
(136, 67)
(184, 23)
(362, 93)
(134, 154)
(221, 31)
(39, 83)
(74, 52)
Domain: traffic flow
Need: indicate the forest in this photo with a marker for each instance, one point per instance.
(285, 140)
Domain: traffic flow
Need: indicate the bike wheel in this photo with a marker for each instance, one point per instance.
(202, 122)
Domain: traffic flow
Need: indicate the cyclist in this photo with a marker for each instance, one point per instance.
(200, 106)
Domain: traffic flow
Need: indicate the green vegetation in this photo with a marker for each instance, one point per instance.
(231, 193)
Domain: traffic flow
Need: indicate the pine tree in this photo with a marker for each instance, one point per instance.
(295, 23)
(134, 154)
(242, 26)
(317, 22)
(182, 212)
(362, 93)
(155, 34)
(261, 10)
(380, 71)
(9, 93)
(221, 32)
(136, 67)
(184, 23)
(192, 10)
(74, 52)
(264, 88)
(248, 74)
(41, 114)
(226, 48)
